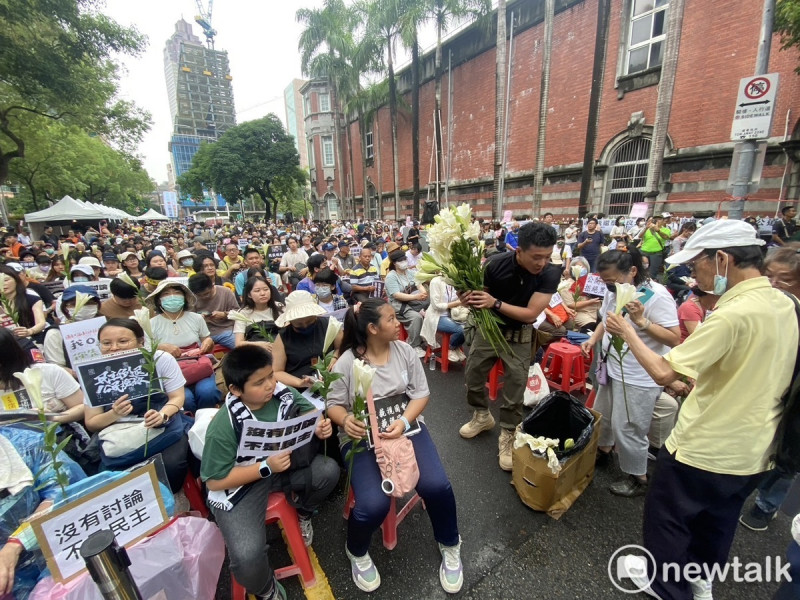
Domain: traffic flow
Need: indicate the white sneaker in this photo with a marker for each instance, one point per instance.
(307, 530)
(420, 352)
(456, 355)
(701, 589)
(365, 573)
(636, 570)
(451, 571)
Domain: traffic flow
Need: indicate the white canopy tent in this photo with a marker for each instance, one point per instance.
(152, 215)
(66, 209)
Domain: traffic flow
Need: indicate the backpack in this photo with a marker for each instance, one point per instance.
(787, 436)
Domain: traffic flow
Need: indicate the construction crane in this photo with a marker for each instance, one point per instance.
(204, 20)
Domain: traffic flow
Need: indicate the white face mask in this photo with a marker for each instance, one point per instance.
(401, 265)
(87, 312)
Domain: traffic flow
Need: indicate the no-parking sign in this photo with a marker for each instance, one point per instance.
(755, 105)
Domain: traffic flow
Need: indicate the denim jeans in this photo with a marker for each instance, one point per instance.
(203, 394)
(372, 505)
(244, 528)
(456, 331)
(226, 338)
(773, 489)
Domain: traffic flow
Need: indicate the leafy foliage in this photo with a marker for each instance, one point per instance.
(787, 23)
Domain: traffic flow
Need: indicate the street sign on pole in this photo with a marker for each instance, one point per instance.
(755, 105)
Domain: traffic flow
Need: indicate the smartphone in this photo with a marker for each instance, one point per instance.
(648, 293)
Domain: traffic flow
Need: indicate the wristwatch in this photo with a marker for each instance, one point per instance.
(497, 304)
(264, 469)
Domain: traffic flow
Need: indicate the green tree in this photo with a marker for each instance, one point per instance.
(256, 157)
(56, 63)
(787, 23)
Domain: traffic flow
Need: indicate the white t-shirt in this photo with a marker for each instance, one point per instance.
(661, 310)
(56, 384)
(571, 235)
(561, 255)
(254, 315)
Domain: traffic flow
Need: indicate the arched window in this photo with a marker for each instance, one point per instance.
(332, 204)
(627, 176)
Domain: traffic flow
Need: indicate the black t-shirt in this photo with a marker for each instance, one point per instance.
(302, 347)
(413, 235)
(783, 229)
(507, 281)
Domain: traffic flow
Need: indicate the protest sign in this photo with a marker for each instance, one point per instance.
(339, 314)
(355, 251)
(105, 379)
(54, 287)
(131, 507)
(315, 398)
(639, 210)
(506, 216)
(265, 438)
(182, 280)
(80, 339)
(594, 286)
(276, 251)
(555, 300)
(388, 410)
(16, 400)
(243, 243)
(211, 247)
(102, 287)
(378, 291)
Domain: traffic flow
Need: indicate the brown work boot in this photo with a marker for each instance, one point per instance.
(504, 445)
(482, 420)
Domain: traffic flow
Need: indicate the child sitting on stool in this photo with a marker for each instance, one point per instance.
(239, 486)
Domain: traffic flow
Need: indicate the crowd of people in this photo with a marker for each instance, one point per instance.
(260, 298)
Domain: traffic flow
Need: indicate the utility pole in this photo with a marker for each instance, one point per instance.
(747, 161)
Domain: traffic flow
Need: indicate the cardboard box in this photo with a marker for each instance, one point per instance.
(542, 490)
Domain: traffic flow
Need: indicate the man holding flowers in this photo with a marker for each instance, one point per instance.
(518, 286)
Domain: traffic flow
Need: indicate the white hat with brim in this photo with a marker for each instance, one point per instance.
(150, 301)
(91, 261)
(85, 269)
(185, 254)
(299, 305)
(124, 256)
(729, 233)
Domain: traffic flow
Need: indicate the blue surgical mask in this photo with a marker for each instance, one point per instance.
(584, 272)
(720, 281)
(172, 303)
(80, 279)
(323, 291)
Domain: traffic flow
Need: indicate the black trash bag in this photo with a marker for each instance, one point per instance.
(561, 416)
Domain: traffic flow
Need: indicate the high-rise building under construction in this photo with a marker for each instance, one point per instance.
(200, 94)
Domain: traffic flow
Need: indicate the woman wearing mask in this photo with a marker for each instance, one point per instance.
(27, 318)
(407, 300)
(261, 306)
(299, 343)
(636, 232)
(165, 412)
(371, 335)
(618, 233)
(438, 318)
(587, 306)
(627, 407)
(81, 274)
(183, 333)
(185, 263)
(54, 351)
(326, 285)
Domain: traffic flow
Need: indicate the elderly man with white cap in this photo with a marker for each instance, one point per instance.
(741, 358)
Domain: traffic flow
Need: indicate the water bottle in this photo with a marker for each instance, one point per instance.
(432, 362)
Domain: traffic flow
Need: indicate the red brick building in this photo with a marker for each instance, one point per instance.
(621, 42)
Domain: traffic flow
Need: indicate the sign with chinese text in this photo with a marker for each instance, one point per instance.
(388, 410)
(131, 507)
(755, 105)
(263, 438)
(80, 339)
(555, 300)
(105, 379)
(102, 287)
(594, 286)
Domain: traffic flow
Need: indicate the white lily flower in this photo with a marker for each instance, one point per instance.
(576, 272)
(3, 278)
(236, 315)
(65, 251)
(32, 380)
(81, 299)
(362, 376)
(142, 316)
(127, 279)
(625, 293)
(334, 327)
(564, 285)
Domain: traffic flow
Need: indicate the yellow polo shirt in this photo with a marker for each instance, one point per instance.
(742, 357)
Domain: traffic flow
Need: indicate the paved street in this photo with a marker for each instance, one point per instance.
(509, 551)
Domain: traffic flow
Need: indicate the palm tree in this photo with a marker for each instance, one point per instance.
(325, 45)
(444, 12)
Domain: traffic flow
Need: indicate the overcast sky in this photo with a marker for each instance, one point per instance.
(259, 35)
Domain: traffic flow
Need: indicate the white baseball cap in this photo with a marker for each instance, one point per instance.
(728, 233)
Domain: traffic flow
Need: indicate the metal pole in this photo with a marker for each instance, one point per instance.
(449, 127)
(500, 198)
(747, 161)
(108, 564)
(544, 99)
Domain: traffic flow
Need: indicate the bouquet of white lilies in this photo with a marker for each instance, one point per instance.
(456, 251)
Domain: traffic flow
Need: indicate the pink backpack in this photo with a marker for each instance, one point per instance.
(396, 459)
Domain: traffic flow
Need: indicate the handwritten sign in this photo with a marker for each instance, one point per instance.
(594, 286)
(263, 438)
(555, 300)
(105, 379)
(131, 507)
(80, 339)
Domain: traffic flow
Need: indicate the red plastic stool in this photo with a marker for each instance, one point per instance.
(194, 494)
(392, 520)
(403, 333)
(443, 357)
(494, 384)
(278, 509)
(590, 399)
(564, 368)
